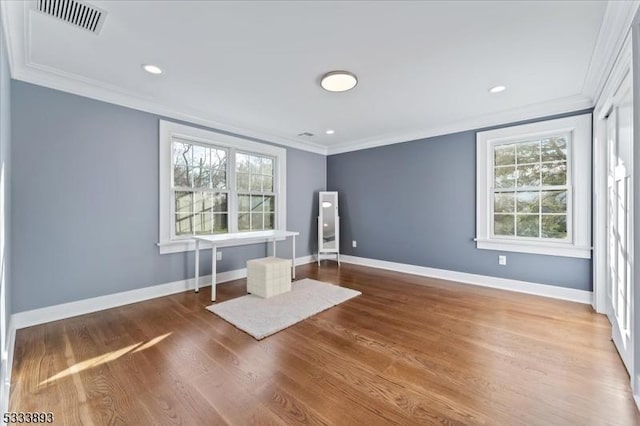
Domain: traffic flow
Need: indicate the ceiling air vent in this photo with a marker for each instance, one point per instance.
(75, 12)
(305, 134)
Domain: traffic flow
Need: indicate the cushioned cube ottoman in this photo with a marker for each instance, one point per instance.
(268, 276)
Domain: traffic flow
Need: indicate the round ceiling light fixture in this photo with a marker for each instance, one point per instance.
(330, 131)
(326, 204)
(497, 89)
(152, 69)
(339, 81)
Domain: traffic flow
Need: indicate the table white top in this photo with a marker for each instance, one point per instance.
(242, 236)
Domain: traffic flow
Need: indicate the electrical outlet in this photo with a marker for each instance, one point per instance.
(218, 255)
(502, 260)
(354, 243)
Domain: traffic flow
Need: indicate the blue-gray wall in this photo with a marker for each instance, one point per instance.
(5, 189)
(415, 203)
(85, 201)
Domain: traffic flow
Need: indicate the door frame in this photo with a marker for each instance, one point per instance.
(620, 70)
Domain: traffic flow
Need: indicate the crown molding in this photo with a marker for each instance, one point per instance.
(544, 109)
(616, 24)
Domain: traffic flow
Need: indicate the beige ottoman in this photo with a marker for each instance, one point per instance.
(268, 276)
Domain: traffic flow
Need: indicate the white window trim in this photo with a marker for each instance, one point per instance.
(170, 130)
(578, 243)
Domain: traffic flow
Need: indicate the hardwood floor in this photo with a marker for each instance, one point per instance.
(409, 350)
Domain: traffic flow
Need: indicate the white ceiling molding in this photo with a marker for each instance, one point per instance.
(613, 32)
(546, 109)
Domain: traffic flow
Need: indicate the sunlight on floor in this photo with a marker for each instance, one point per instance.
(103, 359)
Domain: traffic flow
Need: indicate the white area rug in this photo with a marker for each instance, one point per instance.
(263, 317)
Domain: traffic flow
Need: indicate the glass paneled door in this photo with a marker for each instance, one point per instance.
(619, 219)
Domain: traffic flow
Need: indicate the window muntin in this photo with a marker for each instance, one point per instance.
(531, 191)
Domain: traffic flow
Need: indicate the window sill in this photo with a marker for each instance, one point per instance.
(549, 249)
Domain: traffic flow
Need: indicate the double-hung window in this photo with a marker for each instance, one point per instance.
(212, 183)
(534, 188)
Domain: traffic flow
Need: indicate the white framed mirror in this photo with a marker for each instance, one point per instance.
(328, 225)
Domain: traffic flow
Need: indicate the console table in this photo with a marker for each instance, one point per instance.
(240, 238)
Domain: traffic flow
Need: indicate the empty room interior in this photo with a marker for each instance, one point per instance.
(319, 212)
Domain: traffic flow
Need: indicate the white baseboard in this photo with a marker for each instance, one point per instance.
(573, 295)
(94, 304)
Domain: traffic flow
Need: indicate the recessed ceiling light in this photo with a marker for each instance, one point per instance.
(330, 132)
(338, 81)
(152, 69)
(497, 89)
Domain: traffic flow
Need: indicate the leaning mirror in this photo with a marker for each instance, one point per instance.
(328, 226)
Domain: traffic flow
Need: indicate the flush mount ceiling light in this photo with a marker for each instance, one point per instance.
(338, 81)
(326, 204)
(152, 69)
(497, 89)
(330, 132)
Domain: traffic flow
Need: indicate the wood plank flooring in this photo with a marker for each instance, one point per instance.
(410, 350)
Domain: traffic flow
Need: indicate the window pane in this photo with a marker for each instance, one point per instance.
(554, 149)
(201, 156)
(505, 177)
(243, 203)
(256, 183)
(243, 181)
(504, 155)
(181, 176)
(218, 169)
(201, 177)
(554, 173)
(529, 175)
(503, 224)
(528, 202)
(528, 225)
(528, 152)
(256, 221)
(220, 203)
(554, 226)
(269, 203)
(242, 163)
(203, 223)
(267, 166)
(202, 202)
(267, 184)
(219, 179)
(256, 203)
(183, 202)
(182, 154)
(183, 224)
(218, 158)
(220, 223)
(243, 222)
(269, 221)
(255, 164)
(503, 202)
(554, 201)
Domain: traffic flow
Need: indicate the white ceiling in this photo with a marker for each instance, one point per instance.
(424, 68)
